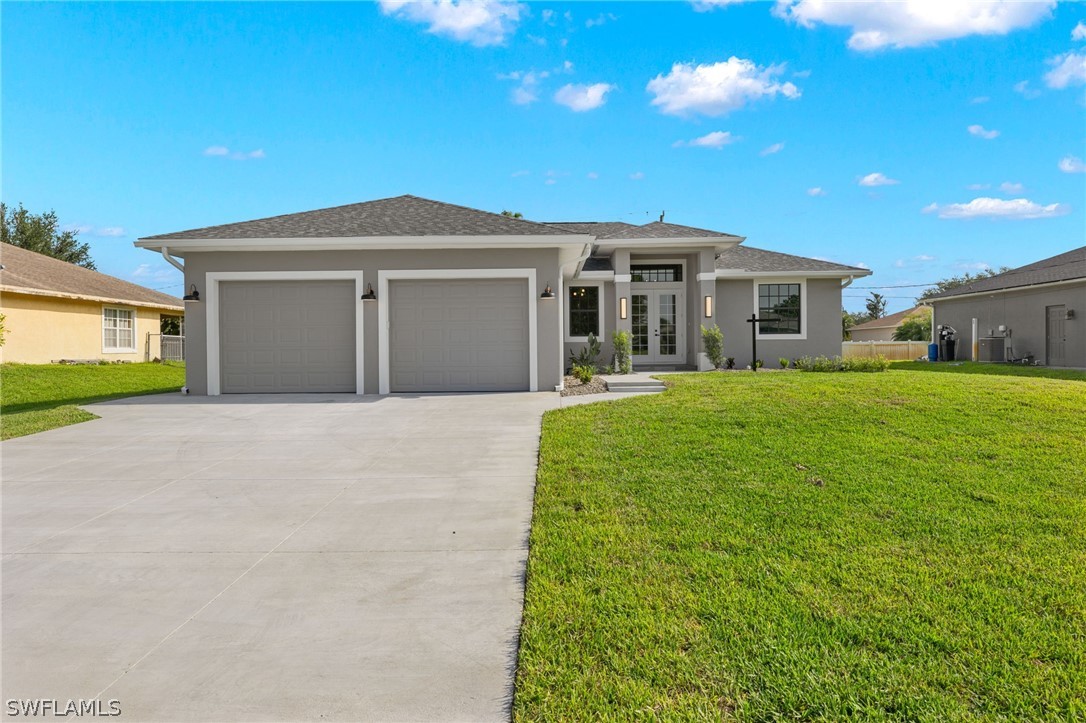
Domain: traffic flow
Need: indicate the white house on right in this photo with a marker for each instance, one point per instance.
(1036, 311)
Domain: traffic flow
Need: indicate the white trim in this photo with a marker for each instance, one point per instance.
(597, 275)
(1030, 287)
(383, 277)
(119, 349)
(707, 276)
(724, 274)
(566, 310)
(212, 280)
(623, 278)
(802, 308)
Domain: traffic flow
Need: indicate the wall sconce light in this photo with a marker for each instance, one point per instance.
(622, 313)
(1070, 314)
(548, 293)
(708, 307)
(193, 295)
(369, 295)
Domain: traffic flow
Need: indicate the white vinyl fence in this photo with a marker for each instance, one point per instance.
(892, 350)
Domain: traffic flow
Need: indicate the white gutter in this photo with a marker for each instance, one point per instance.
(848, 283)
(579, 261)
(171, 260)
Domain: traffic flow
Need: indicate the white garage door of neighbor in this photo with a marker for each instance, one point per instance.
(467, 335)
(287, 336)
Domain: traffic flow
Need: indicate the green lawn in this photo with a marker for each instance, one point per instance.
(37, 397)
(897, 546)
(1013, 370)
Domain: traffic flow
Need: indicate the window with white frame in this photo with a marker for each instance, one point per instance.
(118, 329)
(783, 304)
(584, 311)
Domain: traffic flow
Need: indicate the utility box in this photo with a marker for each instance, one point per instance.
(990, 349)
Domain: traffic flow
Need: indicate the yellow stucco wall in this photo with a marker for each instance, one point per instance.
(42, 329)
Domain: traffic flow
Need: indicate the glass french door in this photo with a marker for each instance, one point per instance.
(657, 326)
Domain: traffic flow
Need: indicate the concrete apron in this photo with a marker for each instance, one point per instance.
(281, 557)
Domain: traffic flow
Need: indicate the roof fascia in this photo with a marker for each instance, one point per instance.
(992, 292)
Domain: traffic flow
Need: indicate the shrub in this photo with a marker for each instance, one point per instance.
(608, 369)
(837, 364)
(620, 340)
(784, 362)
(588, 355)
(758, 364)
(584, 372)
(729, 362)
(712, 338)
(866, 364)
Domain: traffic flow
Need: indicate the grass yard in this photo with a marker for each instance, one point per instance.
(898, 546)
(37, 397)
(1012, 370)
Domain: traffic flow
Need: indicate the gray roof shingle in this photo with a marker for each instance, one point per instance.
(43, 274)
(661, 229)
(1064, 267)
(599, 229)
(398, 216)
(748, 258)
(891, 321)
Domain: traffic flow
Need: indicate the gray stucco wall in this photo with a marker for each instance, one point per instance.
(545, 261)
(1023, 312)
(735, 304)
(607, 323)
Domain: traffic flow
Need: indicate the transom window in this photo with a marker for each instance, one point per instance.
(656, 272)
(782, 302)
(584, 310)
(118, 330)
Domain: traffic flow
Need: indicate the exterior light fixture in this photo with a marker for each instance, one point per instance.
(1070, 314)
(622, 312)
(193, 295)
(548, 293)
(369, 295)
(708, 307)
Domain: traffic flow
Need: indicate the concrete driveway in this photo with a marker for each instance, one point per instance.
(266, 558)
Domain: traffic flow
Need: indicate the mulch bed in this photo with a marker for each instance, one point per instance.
(574, 388)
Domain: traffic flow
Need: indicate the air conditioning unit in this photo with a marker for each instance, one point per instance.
(991, 349)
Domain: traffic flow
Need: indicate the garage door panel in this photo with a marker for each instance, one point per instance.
(458, 335)
(287, 336)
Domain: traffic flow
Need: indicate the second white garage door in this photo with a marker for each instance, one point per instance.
(467, 335)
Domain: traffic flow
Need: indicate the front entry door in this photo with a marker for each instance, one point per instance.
(1055, 336)
(658, 322)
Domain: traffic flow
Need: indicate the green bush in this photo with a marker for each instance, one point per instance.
(584, 372)
(588, 355)
(729, 362)
(784, 362)
(867, 364)
(837, 364)
(620, 340)
(712, 338)
(758, 364)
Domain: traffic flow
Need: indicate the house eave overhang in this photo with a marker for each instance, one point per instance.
(820, 274)
(993, 292)
(86, 297)
(182, 246)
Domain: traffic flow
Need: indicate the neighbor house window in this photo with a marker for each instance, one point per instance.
(118, 330)
(656, 273)
(781, 302)
(584, 311)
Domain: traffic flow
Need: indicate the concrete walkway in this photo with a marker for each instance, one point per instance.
(272, 557)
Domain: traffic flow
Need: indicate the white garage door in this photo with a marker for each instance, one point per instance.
(287, 336)
(466, 335)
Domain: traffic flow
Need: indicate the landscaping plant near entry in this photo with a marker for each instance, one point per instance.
(910, 548)
(784, 362)
(584, 372)
(588, 355)
(620, 340)
(712, 339)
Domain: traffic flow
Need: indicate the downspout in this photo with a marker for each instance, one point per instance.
(848, 283)
(171, 260)
(579, 261)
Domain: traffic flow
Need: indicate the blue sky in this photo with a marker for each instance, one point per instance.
(919, 139)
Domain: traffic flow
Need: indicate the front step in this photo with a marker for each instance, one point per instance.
(633, 384)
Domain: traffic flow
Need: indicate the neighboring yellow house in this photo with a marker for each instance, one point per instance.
(55, 310)
(883, 329)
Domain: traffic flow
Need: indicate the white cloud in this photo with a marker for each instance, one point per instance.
(972, 265)
(580, 98)
(550, 181)
(981, 132)
(717, 89)
(1008, 187)
(914, 261)
(548, 17)
(85, 229)
(912, 23)
(704, 6)
(1072, 164)
(1067, 69)
(816, 191)
(519, 174)
(523, 96)
(716, 139)
(592, 175)
(1015, 209)
(110, 231)
(479, 22)
(1079, 32)
(770, 150)
(978, 186)
(148, 272)
(528, 90)
(637, 176)
(979, 99)
(601, 19)
(877, 179)
(224, 152)
(1022, 88)
(567, 67)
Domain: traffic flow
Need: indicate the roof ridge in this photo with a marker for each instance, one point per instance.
(468, 208)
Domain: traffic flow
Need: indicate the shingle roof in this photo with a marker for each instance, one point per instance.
(597, 263)
(891, 321)
(748, 258)
(1064, 267)
(398, 216)
(34, 272)
(599, 229)
(661, 229)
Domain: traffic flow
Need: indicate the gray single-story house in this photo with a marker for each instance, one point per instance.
(406, 294)
(1034, 311)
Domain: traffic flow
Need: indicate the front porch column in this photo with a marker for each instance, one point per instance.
(706, 286)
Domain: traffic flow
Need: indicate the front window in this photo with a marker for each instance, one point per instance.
(656, 273)
(118, 330)
(584, 311)
(780, 302)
